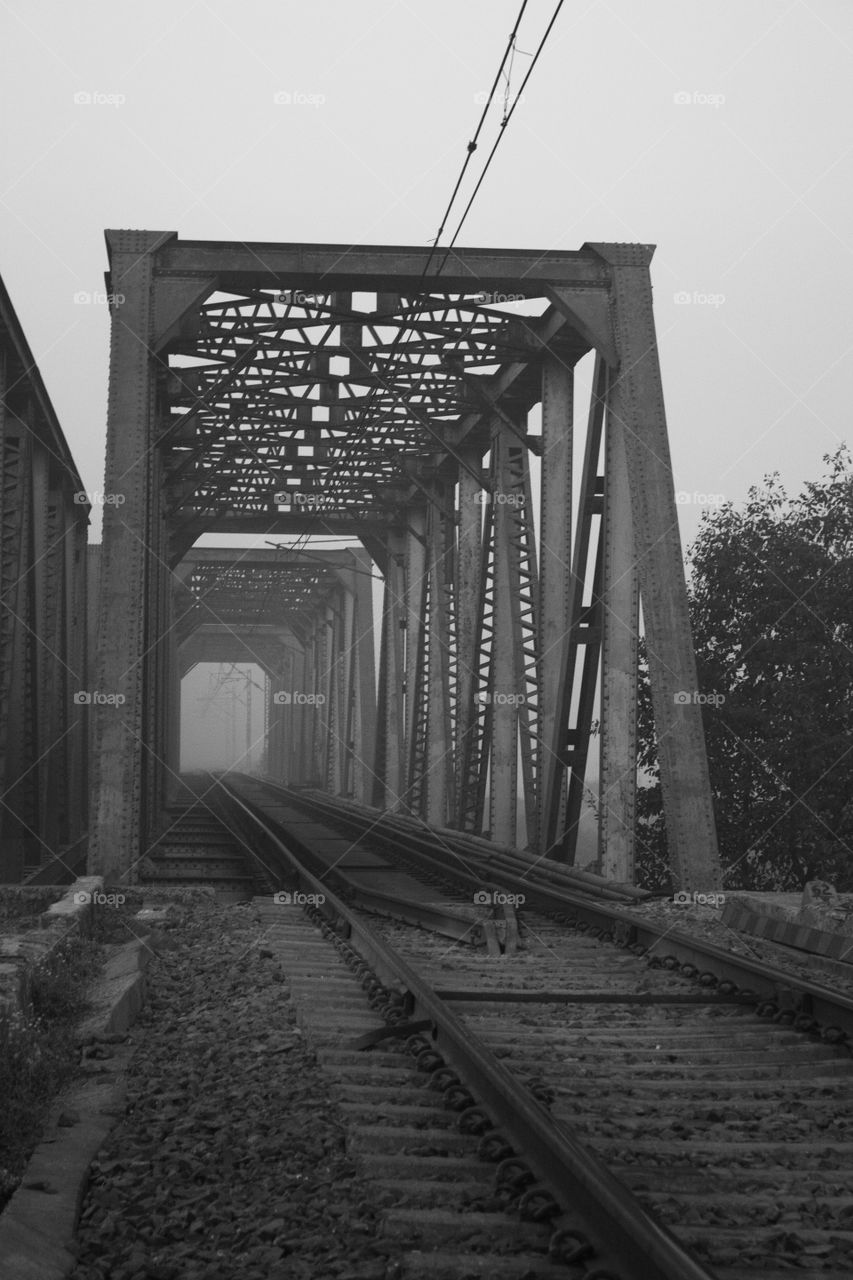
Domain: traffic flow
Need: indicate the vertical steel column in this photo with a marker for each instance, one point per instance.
(555, 577)
(346, 691)
(619, 672)
(365, 677)
(15, 755)
(41, 706)
(306, 725)
(467, 609)
(76, 648)
(57, 715)
(265, 756)
(9, 869)
(380, 751)
(334, 621)
(389, 768)
(284, 748)
(417, 640)
(324, 685)
(526, 628)
(477, 744)
(6, 620)
(173, 706)
(128, 569)
(294, 751)
(439, 737)
(636, 400)
(273, 763)
(158, 764)
(571, 725)
(20, 796)
(503, 772)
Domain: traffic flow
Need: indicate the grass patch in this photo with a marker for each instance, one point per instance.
(38, 1054)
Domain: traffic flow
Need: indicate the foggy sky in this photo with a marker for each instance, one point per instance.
(744, 186)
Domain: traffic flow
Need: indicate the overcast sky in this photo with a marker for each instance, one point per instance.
(720, 133)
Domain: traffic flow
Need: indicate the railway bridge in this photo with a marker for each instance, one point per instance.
(500, 509)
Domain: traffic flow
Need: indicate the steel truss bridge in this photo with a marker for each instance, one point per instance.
(472, 629)
(305, 389)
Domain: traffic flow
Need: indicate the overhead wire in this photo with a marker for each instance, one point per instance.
(507, 117)
(403, 332)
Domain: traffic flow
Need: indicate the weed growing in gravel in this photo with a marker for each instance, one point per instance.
(38, 1054)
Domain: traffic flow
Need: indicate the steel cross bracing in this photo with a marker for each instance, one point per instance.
(320, 389)
(45, 689)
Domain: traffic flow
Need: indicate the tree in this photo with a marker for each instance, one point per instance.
(771, 597)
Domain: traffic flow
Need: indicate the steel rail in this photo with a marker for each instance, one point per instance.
(831, 1009)
(624, 1237)
(424, 841)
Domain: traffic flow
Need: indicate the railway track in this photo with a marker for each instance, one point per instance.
(198, 849)
(531, 1099)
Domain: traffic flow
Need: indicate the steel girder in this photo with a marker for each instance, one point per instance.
(310, 388)
(44, 688)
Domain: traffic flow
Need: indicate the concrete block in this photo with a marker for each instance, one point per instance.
(119, 993)
(76, 903)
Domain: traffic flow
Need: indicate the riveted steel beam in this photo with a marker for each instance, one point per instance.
(620, 596)
(555, 581)
(637, 403)
(125, 756)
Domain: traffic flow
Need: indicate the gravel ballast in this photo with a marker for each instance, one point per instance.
(229, 1163)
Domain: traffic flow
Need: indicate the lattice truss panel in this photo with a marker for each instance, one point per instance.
(322, 403)
(237, 594)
